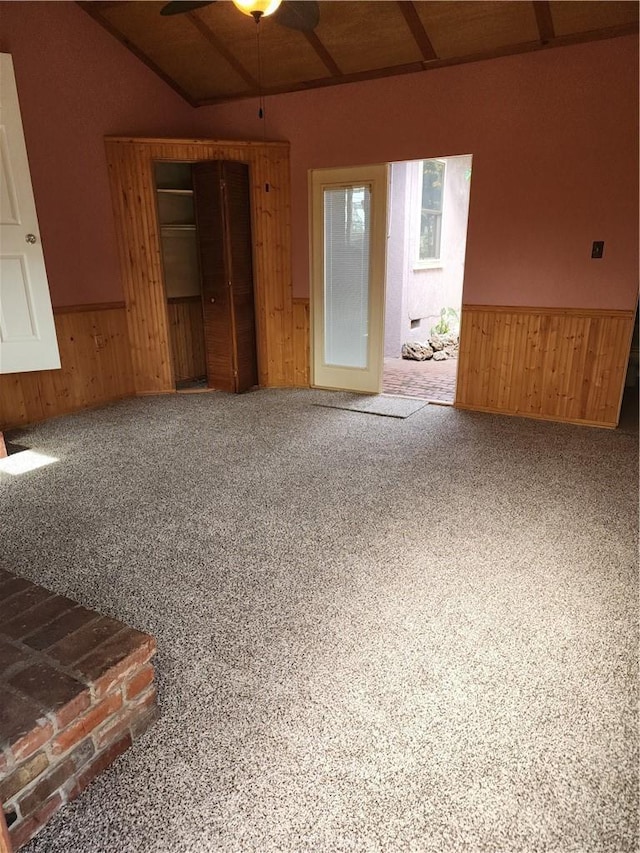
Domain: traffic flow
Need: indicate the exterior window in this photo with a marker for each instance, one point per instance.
(355, 214)
(432, 178)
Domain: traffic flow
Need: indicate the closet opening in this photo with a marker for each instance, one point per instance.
(204, 217)
(181, 271)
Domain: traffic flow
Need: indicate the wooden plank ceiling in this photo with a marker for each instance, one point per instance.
(210, 55)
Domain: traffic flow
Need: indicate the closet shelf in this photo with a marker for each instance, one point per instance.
(177, 227)
(174, 191)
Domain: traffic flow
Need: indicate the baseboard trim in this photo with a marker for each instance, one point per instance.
(534, 416)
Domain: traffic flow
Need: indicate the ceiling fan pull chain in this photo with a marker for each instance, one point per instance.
(260, 95)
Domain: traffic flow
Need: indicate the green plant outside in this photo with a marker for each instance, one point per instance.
(448, 323)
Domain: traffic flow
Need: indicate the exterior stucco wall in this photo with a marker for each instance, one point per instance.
(415, 293)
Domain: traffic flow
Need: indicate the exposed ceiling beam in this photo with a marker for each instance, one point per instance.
(542, 9)
(93, 12)
(412, 67)
(322, 52)
(226, 54)
(417, 30)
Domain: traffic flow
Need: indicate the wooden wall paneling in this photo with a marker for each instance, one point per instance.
(263, 271)
(133, 193)
(301, 343)
(130, 163)
(558, 364)
(95, 368)
(157, 329)
(531, 400)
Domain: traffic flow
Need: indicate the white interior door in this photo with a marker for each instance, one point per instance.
(348, 257)
(27, 330)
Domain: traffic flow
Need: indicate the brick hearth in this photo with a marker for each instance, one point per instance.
(76, 688)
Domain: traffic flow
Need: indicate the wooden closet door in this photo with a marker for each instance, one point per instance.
(223, 219)
(216, 293)
(240, 262)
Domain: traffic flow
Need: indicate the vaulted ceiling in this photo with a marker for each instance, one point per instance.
(210, 55)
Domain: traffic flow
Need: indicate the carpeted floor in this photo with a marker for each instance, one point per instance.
(374, 634)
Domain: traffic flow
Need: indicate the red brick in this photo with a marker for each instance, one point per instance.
(49, 686)
(39, 794)
(145, 699)
(11, 656)
(23, 776)
(143, 721)
(112, 665)
(26, 829)
(32, 741)
(19, 715)
(31, 595)
(61, 627)
(116, 727)
(82, 642)
(73, 709)
(103, 760)
(86, 724)
(37, 616)
(57, 778)
(138, 681)
(12, 586)
(5, 576)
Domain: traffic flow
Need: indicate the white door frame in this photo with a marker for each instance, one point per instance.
(366, 380)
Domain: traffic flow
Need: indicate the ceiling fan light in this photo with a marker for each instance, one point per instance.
(262, 7)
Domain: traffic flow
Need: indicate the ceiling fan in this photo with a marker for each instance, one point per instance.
(300, 15)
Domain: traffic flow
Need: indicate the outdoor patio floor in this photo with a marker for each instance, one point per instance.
(431, 380)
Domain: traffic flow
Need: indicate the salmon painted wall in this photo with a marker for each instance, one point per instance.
(553, 134)
(76, 84)
(555, 163)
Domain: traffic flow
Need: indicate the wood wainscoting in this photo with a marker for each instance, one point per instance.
(301, 343)
(130, 163)
(95, 368)
(187, 337)
(552, 363)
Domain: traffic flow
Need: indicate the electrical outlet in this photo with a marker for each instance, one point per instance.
(597, 250)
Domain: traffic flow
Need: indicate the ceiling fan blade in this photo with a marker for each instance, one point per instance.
(177, 7)
(298, 14)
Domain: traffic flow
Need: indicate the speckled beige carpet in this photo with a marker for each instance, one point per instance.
(374, 634)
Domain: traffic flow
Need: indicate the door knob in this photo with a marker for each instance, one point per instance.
(213, 299)
(30, 238)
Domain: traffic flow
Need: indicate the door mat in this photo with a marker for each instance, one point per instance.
(374, 404)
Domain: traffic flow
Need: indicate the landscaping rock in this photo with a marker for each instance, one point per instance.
(416, 351)
(441, 355)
